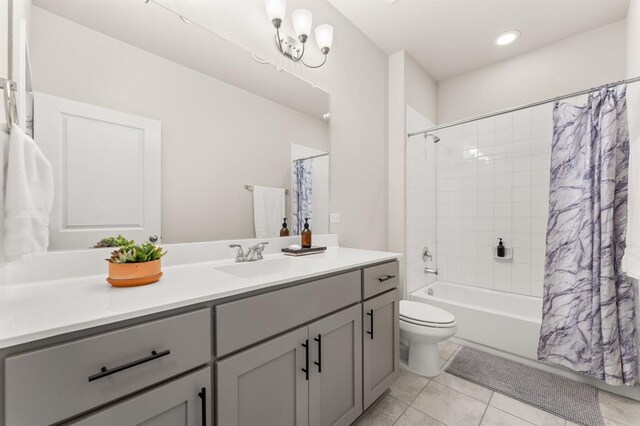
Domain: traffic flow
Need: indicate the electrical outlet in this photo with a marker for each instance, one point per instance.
(334, 218)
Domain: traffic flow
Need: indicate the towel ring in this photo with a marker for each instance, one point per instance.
(10, 107)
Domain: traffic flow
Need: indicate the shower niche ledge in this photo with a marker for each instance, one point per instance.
(508, 254)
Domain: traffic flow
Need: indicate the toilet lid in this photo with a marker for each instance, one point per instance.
(418, 312)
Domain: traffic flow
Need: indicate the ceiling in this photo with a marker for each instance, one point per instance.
(451, 37)
(154, 28)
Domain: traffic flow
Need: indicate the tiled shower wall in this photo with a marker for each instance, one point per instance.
(493, 182)
(489, 179)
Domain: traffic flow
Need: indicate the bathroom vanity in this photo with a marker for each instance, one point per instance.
(280, 341)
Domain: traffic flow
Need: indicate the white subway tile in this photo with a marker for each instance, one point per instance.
(503, 136)
(486, 125)
(537, 288)
(485, 166)
(521, 286)
(522, 224)
(502, 268)
(520, 191)
(537, 256)
(486, 140)
(520, 238)
(502, 283)
(470, 128)
(522, 255)
(502, 210)
(522, 117)
(521, 209)
(503, 165)
(503, 121)
(542, 130)
(522, 163)
(522, 133)
(521, 270)
(485, 280)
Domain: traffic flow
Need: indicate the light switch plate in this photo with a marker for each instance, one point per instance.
(334, 218)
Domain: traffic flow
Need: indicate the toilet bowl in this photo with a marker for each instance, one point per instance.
(422, 327)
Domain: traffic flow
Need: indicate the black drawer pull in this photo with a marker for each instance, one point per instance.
(203, 396)
(370, 313)
(305, 345)
(104, 371)
(319, 362)
(386, 278)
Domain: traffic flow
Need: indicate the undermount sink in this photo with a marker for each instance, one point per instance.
(257, 268)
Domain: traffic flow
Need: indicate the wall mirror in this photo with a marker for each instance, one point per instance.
(148, 137)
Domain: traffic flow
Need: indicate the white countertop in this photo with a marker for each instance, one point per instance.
(35, 311)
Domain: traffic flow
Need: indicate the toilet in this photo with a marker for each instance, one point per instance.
(422, 327)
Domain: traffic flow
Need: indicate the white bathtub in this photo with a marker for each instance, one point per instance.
(505, 324)
(503, 321)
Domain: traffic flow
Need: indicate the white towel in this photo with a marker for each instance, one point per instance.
(268, 211)
(4, 146)
(28, 198)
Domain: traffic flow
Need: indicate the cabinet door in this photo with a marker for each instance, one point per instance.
(335, 388)
(381, 354)
(266, 385)
(182, 402)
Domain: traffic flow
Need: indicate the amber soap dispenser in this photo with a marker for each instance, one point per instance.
(284, 232)
(306, 235)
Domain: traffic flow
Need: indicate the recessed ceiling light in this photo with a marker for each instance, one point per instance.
(506, 38)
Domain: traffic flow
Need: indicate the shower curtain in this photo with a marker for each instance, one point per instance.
(588, 321)
(302, 194)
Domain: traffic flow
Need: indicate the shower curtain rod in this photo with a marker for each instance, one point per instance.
(311, 157)
(521, 107)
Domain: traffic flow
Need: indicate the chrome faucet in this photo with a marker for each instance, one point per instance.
(253, 253)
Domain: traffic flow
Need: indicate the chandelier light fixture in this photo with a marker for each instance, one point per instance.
(302, 24)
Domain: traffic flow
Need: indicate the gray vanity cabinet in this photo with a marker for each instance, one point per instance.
(381, 344)
(182, 402)
(265, 385)
(312, 375)
(335, 385)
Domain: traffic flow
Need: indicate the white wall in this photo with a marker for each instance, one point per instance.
(585, 60)
(216, 137)
(632, 256)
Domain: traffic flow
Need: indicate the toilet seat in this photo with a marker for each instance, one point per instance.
(425, 315)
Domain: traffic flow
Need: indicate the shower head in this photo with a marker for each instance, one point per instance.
(434, 137)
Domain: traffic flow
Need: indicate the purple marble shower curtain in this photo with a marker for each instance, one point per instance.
(588, 321)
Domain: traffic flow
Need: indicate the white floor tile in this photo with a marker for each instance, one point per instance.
(619, 409)
(384, 413)
(495, 417)
(408, 386)
(524, 411)
(449, 406)
(413, 417)
(468, 388)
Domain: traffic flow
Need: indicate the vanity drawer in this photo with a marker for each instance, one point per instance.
(247, 321)
(53, 384)
(379, 279)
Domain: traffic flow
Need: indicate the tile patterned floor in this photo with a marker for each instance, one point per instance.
(448, 400)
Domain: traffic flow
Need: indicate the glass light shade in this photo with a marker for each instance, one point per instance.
(324, 36)
(302, 19)
(275, 9)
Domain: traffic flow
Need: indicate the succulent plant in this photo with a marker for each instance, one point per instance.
(118, 241)
(146, 252)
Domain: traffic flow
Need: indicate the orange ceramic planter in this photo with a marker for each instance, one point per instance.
(134, 274)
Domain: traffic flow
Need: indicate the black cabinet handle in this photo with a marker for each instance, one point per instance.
(104, 371)
(370, 313)
(203, 396)
(386, 278)
(319, 362)
(305, 345)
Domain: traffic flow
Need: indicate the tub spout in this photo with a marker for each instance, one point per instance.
(430, 271)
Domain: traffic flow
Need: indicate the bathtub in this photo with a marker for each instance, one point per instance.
(506, 322)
